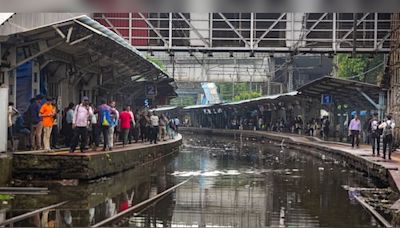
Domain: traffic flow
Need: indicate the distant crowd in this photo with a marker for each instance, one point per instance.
(85, 125)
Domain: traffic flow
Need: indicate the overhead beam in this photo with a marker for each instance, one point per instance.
(195, 30)
(166, 43)
(354, 27)
(269, 29)
(35, 55)
(111, 25)
(234, 29)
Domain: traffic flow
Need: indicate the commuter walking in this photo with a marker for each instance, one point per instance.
(104, 122)
(95, 137)
(36, 123)
(154, 125)
(47, 114)
(82, 114)
(126, 120)
(354, 131)
(374, 133)
(387, 131)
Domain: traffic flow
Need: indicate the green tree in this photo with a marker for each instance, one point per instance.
(246, 95)
(360, 67)
(236, 91)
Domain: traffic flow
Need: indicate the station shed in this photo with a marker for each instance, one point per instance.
(78, 57)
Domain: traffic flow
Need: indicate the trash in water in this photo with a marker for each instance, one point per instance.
(321, 168)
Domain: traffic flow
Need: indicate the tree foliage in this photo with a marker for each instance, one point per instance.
(246, 95)
(360, 67)
(236, 91)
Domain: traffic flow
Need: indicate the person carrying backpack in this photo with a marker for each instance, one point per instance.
(104, 121)
(374, 133)
(387, 131)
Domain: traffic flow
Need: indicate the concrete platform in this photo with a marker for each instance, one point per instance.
(361, 158)
(89, 165)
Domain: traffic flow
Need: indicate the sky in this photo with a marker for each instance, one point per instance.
(4, 16)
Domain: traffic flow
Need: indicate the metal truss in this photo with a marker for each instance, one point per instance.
(253, 32)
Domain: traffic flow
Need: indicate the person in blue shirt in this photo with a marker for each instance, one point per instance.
(36, 123)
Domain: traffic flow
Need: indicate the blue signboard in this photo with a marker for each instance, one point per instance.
(151, 90)
(326, 99)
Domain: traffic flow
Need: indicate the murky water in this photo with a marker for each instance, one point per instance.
(235, 184)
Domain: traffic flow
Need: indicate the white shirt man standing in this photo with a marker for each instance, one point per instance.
(82, 115)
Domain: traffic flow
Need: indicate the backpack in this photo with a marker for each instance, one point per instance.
(106, 118)
(388, 129)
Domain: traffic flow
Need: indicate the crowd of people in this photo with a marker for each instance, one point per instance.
(376, 129)
(86, 125)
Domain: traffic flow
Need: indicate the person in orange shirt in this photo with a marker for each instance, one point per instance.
(47, 114)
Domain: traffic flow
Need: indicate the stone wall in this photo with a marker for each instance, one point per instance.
(90, 166)
(5, 169)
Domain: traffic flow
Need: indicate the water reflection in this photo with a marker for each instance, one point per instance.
(237, 183)
(247, 184)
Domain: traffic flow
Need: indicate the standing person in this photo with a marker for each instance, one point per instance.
(374, 133)
(104, 122)
(176, 123)
(365, 127)
(154, 125)
(12, 114)
(132, 124)
(114, 124)
(82, 114)
(126, 120)
(354, 131)
(54, 130)
(171, 125)
(36, 123)
(162, 125)
(325, 127)
(95, 129)
(67, 127)
(47, 114)
(387, 131)
(143, 128)
(136, 126)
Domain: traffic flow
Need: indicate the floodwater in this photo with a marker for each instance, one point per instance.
(235, 183)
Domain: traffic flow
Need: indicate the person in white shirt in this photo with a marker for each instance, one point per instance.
(82, 114)
(154, 122)
(387, 131)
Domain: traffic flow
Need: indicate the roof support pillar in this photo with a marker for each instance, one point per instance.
(377, 106)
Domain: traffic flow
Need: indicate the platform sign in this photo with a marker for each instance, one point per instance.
(326, 99)
(151, 90)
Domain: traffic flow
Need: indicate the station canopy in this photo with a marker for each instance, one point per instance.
(90, 49)
(354, 93)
